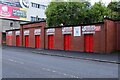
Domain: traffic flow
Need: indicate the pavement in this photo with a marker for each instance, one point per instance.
(22, 63)
(109, 58)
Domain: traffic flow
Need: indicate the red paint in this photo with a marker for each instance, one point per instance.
(9, 38)
(9, 12)
(17, 40)
(37, 41)
(26, 41)
(50, 42)
(88, 42)
(67, 40)
(91, 43)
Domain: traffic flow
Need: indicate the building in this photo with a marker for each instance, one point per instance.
(14, 12)
(102, 37)
(21, 11)
(36, 10)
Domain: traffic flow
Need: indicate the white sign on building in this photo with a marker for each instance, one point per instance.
(10, 33)
(77, 31)
(50, 31)
(17, 33)
(26, 32)
(37, 31)
(67, 30)
(88, 29)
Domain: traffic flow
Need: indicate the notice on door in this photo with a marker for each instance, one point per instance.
(26, 32)
(9, 33)
(17, 33)
(50, 31)
(67, 30)
(88, 29)
(77, 31)
(37, 31)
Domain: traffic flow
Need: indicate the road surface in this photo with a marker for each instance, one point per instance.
(22, 63)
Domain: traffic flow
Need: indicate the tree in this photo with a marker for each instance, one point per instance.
(114, 10)
(75, 13)
(67, 13)
(98, 11)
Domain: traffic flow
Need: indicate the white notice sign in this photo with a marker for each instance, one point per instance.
(37, 31)
(17, 32)
(26, 32)
(10, 33)
(77, 31)
(67, 30)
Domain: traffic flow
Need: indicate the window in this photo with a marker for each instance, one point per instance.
(35, 5)
(32, 18)
(36, 18)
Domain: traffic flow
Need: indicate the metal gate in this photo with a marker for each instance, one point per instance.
(37, 41)
(88, 43)
(26, 41)
(50, 42)
(67, 40)
(17, 40)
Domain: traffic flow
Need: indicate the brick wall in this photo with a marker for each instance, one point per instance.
(104, 41)
(111, 36)
(31, 28)
(118, 35)
(77, 42)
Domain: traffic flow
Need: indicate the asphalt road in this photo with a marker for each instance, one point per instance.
(22, 63)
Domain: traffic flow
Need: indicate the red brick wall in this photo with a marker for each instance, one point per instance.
(58, 39)
(111, 36)
(9, 41)
(99, 40)
(105, 41)
(14, 39)
(31, 28)
(31, 38)
(21, 36)
(77, 43)
(0, 38)
(118, 35)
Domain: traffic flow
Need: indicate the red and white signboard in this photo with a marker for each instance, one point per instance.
(88, 29)
(50, 31)
(37, 31)
(97, 28)
(67, 30)
(26, 32)
(11, 12)
(17, 33)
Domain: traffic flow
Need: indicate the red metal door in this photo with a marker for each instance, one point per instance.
(67, 39)
(88, 43)
(37, 41)
(17, 40)
(50, 42)
(91, 43)
(26, 41)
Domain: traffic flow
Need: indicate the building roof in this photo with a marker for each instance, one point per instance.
(12, 30)
(32, 22)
